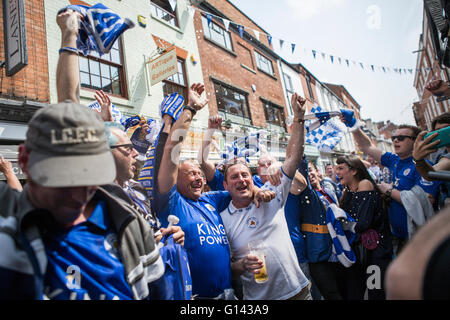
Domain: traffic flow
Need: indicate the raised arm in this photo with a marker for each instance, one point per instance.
(208, 168)
(296, 144)
(67, 71)
(168, 171)
(11, 178)
(366, 146)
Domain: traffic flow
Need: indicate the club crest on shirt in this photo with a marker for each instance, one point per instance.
(139, 195)
(112, 245)
(210, 207)
(406, 172)
(252, 222)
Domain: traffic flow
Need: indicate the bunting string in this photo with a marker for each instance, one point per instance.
(331, 58)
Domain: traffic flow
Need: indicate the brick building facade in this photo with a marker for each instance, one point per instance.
(25, 89)
(427, 69)
(240, 73)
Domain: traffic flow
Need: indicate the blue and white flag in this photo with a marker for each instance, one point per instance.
(244, 147)
(324, 131)
(99, 28)
(342, 234)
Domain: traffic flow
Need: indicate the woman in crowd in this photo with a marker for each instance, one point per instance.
(372, 246)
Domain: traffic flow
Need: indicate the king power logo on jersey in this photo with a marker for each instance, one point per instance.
(209, 235)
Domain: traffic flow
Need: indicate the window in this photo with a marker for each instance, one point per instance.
(289, 89)
(177, 82)
(274, 114)
(217, 34)
(246, 56)
(263, 63)
(104, 73)
(163, 10)
(232, 102)
(308, 83)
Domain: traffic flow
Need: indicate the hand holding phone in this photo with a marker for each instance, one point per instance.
(443, 135)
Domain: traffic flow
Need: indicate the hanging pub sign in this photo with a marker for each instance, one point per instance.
(163, 67)
(15, 36)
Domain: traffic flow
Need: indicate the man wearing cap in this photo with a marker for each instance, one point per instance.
(71, 235)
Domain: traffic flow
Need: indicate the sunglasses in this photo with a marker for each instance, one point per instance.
(402, 137)
(128, 146)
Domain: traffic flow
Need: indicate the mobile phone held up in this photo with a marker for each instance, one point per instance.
(443, 135)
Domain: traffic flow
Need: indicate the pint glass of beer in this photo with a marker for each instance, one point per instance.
(256, 248)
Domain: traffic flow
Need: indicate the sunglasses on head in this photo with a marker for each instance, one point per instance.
(402, 137)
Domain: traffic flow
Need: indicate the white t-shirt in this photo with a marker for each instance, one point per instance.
(266, 223)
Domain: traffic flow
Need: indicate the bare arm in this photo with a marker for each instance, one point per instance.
(296, 144)
(207, 167)
(168, 172)
(67, 71)
(299, 184)
(11, 178)
(366, 146)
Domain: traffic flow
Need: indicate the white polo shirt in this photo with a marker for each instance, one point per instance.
(266, 223)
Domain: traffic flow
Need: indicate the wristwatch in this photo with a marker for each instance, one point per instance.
(389, 191)
(190, 109)
(419, 162)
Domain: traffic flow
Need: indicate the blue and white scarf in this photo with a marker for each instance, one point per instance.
(342, 234)
(172, 105)
(99, 28)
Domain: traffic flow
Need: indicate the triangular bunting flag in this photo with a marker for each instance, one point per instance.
(372, 67)
(281, 44)
(173, 4)
(191, 11)
(361, 65)
(384, 69)
(269, 39)
(348, 63)
(241, 30)
(314, 53)
(323, 55)
(331, 58)
(293, 47)
(226, 23)
(209, 18)
(256, 32)
(340, 60)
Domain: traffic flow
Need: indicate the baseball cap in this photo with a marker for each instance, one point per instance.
(68, 148)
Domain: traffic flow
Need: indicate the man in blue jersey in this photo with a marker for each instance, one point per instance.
(64, 236)
(179, 192)
(401, 165)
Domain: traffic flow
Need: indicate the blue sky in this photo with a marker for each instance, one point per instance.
(374, 32)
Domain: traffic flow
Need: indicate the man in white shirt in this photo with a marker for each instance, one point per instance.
(244, 222)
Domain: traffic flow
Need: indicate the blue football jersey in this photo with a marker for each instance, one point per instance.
(83, 261)
(405, 176)
(205, 238)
